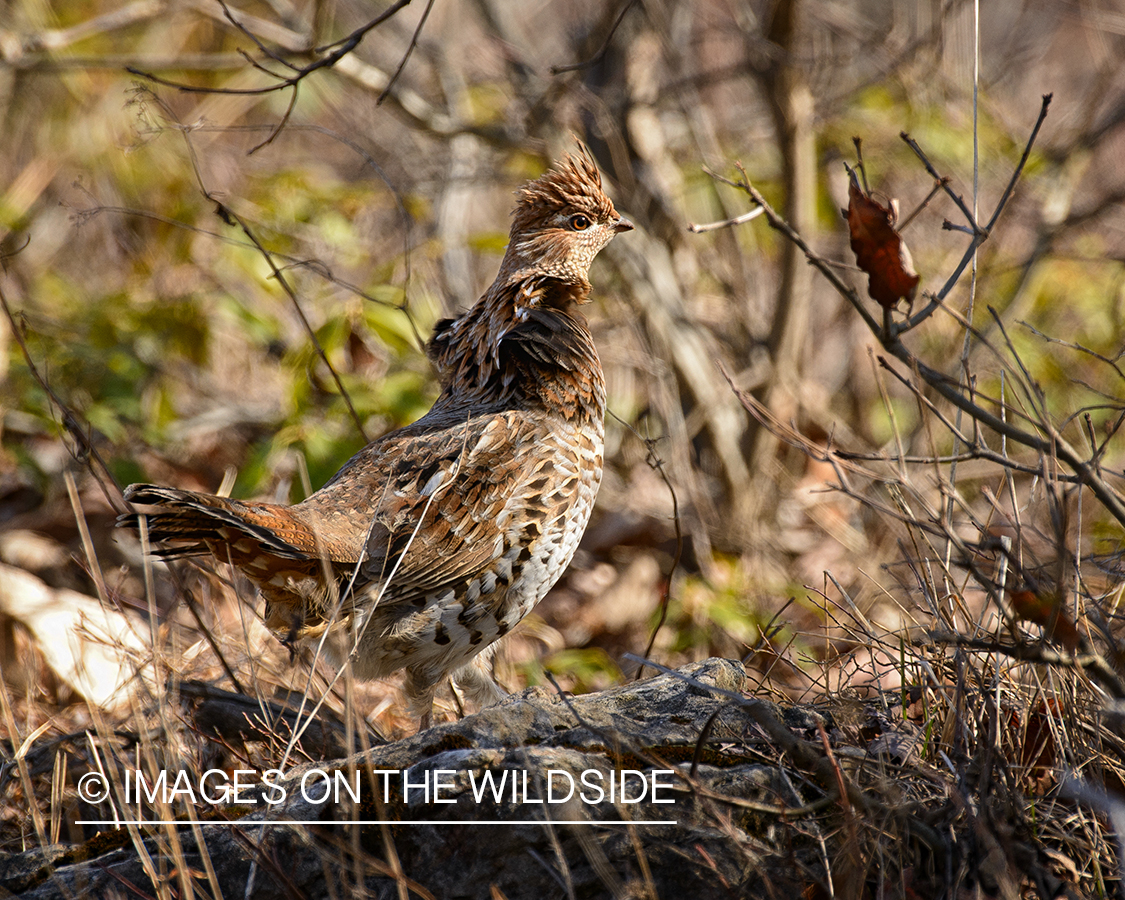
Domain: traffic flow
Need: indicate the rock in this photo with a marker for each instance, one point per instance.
(457, 811)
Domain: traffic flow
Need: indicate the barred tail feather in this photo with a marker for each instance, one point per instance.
(205, 520)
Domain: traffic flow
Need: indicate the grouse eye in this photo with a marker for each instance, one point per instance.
(579, 222)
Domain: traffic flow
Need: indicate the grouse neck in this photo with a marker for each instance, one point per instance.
(523, 344)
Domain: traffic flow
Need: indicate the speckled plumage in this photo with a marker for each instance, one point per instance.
(441, 536)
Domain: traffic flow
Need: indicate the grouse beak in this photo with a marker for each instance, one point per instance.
(622, 224)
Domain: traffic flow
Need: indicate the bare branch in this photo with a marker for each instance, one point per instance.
(597, 57)
(942, 182)
(1051, 446)
(937, 299)
(1093, 663)
(343, 48)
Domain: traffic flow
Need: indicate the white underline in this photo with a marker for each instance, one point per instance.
(258, 823)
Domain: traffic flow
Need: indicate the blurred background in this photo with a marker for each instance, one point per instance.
(164, 349)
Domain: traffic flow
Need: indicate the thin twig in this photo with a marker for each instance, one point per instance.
(942, 181)
(281, 123)
(277, 273)
(406, 56)
(657, 464)
(597, 57)
(1023, 162)
(78, 430)
(938, 185)
(1075, 346)
(726, 223)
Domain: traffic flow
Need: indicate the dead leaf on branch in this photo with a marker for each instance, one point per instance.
(1045, 608)
(878, 247)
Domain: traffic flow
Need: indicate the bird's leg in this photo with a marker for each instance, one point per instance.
(420, 696)
(476, 681)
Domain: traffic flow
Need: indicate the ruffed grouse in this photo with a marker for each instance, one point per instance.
(435, 540)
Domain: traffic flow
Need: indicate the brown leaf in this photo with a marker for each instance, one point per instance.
(1046, 610)
(879, 249)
